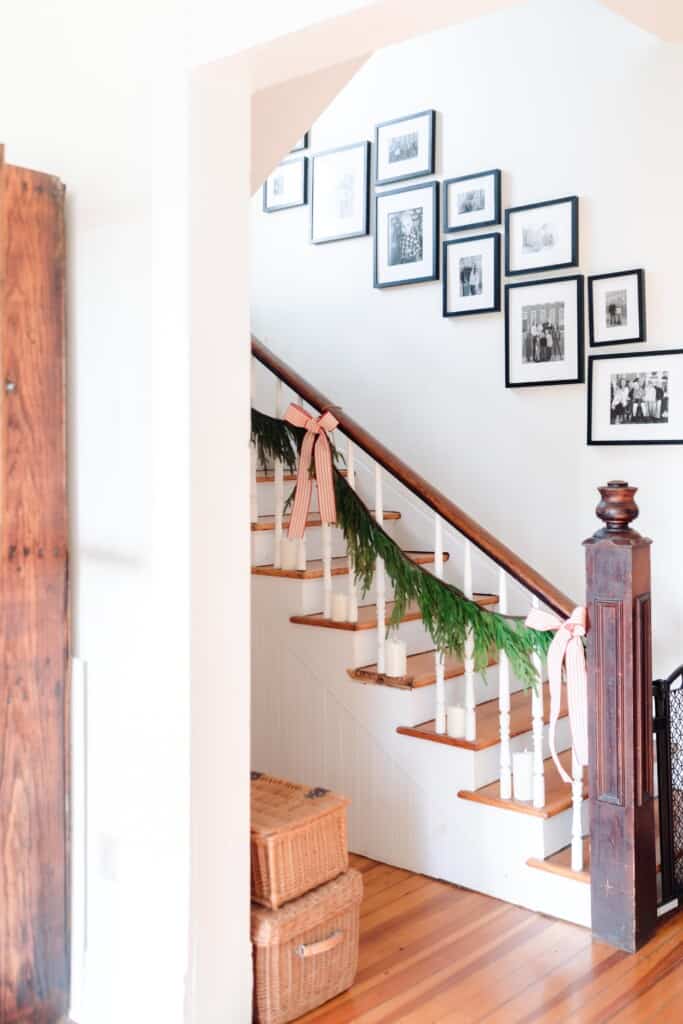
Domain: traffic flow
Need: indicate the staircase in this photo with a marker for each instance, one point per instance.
(326, 713)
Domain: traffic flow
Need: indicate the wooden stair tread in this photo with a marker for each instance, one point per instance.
(340, 566)
(267, 523)
(560, 863)
(367, 616)
(488, 723)
(558, 794)
(420, 672)
(269, 478)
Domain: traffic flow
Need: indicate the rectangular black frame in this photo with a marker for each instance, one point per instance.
(589, 409)
(366, 193)
(288, 206)
(580, 305)
(431, 148)
(640, 274)
(434, 186)
(573, 262)
(304, 145)
(495, 308)
(496, 201)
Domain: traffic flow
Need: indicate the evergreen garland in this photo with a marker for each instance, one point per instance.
(448, 615)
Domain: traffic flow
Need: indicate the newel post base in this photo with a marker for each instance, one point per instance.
(621, 772)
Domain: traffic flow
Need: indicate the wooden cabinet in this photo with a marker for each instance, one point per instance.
(34, 601)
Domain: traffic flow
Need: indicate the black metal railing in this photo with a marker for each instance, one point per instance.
(668, 727)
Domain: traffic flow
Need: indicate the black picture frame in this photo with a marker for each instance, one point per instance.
(366, 193)
(433, 186)
(431, 148)
(592, 360)
(304, 144)
(497, 204)
(580, 314)
(495, 308)
(288, 206)
(639, 274)
(516, 210)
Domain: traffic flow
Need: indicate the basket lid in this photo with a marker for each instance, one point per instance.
(278, 805)
(270, 927)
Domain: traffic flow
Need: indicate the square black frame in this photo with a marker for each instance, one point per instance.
(288, 206)
(573, 262)
(579, 330)
(434, 186)
(495, 172)
(304, 144)
(589, 394)
(640, 275)
(495, 308)
(366, 193)
(431, 145)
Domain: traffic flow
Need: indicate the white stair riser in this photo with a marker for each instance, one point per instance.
(263, 545)
(487, 767)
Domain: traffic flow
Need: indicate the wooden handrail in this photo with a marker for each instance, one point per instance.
(447, 509)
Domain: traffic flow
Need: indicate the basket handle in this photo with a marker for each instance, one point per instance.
(315, 948)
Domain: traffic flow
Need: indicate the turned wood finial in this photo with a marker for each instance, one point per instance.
(617, 507)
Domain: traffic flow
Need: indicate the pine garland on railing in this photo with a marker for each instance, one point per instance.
(448, 615)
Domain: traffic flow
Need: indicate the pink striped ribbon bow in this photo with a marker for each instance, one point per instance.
(567, 649)
(316, 445)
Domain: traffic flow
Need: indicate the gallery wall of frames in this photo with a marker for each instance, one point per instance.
(453, 230)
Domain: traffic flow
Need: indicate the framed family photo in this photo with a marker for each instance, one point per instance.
(405, 147)
(616, 307)
(471, 201)
(407, 235)
(542, 236)
(340, 193)
(636, 398)
(544, 332)
(300, 144)
(287, 186)
(471, 275)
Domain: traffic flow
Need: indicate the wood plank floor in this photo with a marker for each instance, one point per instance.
(431, 953)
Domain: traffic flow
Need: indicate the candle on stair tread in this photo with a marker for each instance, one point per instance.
(289, 553)
(395, 659)
(456, 721)
(340, 607)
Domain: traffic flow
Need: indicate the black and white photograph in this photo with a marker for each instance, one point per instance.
(636, 399)
(300, 144)
(542, 236)
(544, 332)
(471, 201)
(287, 186)
(616, 307)
(340, 193)
(405, 147)
(471, 275)
(406, 235)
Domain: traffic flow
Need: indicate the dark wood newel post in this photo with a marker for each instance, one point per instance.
(622, 819)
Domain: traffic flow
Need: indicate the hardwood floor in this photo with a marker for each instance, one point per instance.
(431, 953)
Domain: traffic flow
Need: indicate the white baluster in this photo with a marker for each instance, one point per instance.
(301, 554)
(577, 827)
(380, 582)
(253, 493)
(439, 660)
(470, 705)
(327, 569)
(278, 487)
(353, 589)
(537, 727)
(504, 699)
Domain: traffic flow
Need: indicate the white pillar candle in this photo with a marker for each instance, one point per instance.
(340, 607)
(456, 720)
(289, 553)
(523, 775)
(395, 658)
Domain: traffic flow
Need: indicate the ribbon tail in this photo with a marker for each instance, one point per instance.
(302, 497)
(325, 482)
(555, 658)
(577, 698)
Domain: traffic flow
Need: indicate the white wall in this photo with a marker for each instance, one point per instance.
(566, 98)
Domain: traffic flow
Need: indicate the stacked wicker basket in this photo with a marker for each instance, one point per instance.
(305, 929)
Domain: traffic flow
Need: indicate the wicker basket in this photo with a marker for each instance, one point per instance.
(307, 952)
(298, 839)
